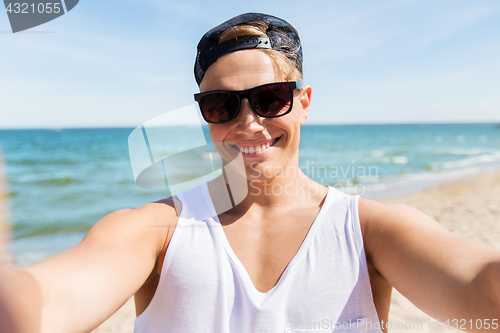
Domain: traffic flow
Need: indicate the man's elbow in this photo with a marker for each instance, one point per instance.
(488, 285)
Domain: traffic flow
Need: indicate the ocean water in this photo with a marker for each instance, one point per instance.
(61, 182)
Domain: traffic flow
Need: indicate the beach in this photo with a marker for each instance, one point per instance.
(469, 207)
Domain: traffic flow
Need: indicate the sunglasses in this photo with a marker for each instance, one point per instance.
(270, 100)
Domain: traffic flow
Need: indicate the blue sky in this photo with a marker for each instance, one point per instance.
(119, 63)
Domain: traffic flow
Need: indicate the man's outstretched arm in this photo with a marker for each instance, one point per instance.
(446, 276)
(77, 290)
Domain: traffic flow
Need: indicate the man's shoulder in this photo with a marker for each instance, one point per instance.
(374, 214)
(157, 212)
(151, 224)
(164, 210)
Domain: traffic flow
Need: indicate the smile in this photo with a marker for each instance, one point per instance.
(258, 148)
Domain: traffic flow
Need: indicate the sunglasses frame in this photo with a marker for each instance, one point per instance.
(246, 94)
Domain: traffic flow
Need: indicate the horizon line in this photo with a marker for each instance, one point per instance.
(305, 125)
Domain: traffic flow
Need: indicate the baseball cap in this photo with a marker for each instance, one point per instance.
(280, 36)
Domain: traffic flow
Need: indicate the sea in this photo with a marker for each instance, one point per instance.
(61, 182)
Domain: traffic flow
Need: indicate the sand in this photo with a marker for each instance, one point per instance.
(121, 322)
(469, 207)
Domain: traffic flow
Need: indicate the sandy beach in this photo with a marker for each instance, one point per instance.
(469, 207)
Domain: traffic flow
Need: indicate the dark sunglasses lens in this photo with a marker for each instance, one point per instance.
(219, 107)
(272, 101)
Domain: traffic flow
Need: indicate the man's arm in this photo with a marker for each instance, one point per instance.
(20, 302)
(446, 276)
(77, 290)
(85, 285)
(19, 292)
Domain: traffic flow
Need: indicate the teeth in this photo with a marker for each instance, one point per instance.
(251, 150)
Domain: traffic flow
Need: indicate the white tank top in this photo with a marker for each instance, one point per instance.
(204, 287)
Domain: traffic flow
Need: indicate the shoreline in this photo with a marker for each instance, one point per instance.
(403, 185)
(454, 203)
(467, 206)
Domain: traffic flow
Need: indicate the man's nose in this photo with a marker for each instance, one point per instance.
(247, 118)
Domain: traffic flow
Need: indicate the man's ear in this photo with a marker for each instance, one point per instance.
(305, 101)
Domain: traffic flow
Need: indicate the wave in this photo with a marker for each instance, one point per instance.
(378, 153)
(62, 181)
(465, 151)
(29, 230)
(466, 162)
(39, 161)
